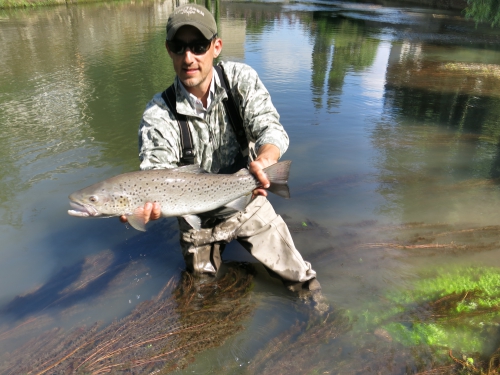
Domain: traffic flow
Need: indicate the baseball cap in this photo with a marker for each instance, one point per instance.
(193, 15)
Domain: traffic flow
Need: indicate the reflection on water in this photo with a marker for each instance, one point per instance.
(340, 46)
(393, 119)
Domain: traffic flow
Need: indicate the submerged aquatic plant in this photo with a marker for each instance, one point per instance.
(456, 309)
(303, 348)
(159, 335)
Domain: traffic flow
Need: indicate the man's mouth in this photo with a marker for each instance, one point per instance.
(190, 71)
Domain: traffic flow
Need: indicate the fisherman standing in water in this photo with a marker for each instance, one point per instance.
(199, 99)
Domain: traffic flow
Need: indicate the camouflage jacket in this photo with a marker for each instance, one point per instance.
(214, 141)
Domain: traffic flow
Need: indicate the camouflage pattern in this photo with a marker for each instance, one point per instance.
(214, 141)
(259, 229)
(262, 232)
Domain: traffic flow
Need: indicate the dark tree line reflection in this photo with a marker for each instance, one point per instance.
(439, 136)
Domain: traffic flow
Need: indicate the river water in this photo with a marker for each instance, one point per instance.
(392, 113)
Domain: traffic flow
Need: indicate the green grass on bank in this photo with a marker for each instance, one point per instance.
(5, 4)
(9, 4)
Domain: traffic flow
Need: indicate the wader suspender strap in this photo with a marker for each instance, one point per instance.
(186, 141)
(232, 111)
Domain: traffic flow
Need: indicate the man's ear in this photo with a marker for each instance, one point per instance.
(217, 47)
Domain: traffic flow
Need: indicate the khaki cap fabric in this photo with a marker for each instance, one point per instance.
(193, 15)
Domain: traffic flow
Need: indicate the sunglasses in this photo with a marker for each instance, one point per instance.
(197, 47)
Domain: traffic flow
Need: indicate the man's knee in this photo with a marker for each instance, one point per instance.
(203, 259)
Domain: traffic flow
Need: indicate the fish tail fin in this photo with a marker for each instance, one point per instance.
(278, 176)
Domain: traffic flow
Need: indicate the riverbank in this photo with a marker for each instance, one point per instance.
(9, 4)
(441, 4)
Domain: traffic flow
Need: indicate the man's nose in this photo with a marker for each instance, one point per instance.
(188, 55)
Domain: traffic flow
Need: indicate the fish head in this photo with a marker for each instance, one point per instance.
(92, 201)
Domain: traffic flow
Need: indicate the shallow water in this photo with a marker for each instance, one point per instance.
(392, 114)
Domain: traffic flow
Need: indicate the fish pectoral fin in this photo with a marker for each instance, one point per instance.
(136, 220)
(238, 204)
(193, 220)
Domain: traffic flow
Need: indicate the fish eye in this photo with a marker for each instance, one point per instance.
(93, 198)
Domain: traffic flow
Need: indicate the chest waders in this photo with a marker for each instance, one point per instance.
(207, 258)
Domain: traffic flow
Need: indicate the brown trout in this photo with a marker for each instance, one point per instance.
(184, 191)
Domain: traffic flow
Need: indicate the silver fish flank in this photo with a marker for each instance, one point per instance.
(184, 191)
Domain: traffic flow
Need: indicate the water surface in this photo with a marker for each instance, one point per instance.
(392, 114)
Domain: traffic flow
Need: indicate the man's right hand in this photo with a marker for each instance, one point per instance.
(152, 211)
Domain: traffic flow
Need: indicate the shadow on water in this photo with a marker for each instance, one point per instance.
(163, 333)
(192, 315)
(92, 280)
(166, 332)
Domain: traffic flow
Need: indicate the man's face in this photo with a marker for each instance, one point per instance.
(194, 71)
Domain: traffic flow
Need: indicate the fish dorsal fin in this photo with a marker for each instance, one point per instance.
(136, 220)
(242, 172)
(193, 220)
(193, 168)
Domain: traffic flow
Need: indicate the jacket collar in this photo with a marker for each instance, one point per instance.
(183, 103)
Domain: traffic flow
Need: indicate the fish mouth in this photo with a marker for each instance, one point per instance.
(82, 210)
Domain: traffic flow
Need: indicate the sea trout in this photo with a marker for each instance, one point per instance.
(184, 191)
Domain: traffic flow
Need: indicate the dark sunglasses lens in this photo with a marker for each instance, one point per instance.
(198, 48)
(177, 48)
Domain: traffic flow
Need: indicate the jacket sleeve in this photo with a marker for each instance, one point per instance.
(260, 117)
(159, 143)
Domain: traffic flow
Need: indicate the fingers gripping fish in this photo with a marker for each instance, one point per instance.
(184, 191)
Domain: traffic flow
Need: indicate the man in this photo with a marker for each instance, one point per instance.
(192, 44)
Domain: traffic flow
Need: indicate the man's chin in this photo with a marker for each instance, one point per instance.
(190, 81)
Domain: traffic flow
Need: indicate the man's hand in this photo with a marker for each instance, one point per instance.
(268, 155)
(151, 211)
